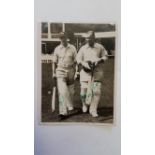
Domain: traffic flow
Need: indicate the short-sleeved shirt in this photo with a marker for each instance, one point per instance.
(87, 53)
(65, 56)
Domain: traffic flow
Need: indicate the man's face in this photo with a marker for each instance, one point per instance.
(91, 39)
(64, 41)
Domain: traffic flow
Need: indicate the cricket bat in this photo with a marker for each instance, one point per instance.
(53, 99)
(89, 94)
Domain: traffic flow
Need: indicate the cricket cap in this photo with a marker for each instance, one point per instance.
(90, 34)
(62, 35)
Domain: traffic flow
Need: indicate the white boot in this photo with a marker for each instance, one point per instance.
(94, 114)
(84, 108)
(70, 108)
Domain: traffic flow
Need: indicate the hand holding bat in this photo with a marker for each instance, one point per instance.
(53, 94)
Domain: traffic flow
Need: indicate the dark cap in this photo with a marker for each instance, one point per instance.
(90, 34)
(62, 35)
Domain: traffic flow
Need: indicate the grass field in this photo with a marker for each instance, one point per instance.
(105, 108)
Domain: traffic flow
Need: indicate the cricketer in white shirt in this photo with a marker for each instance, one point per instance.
(64, 70)
(96, 54)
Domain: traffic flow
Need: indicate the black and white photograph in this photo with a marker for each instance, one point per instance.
(77, 72)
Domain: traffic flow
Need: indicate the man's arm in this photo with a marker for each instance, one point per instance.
(54, 64)
(54, 69)
(76, 76)
(79, 57)
(103, 57)
(104, 54)
(80, 60)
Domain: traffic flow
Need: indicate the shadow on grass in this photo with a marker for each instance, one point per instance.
(105, 115)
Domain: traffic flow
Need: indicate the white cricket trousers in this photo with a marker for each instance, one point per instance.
(96, 95)
(66, 93)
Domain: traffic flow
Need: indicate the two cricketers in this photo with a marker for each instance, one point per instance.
(91, 57)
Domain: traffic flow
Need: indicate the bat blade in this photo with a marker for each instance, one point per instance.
(89, 93)
(53, 99)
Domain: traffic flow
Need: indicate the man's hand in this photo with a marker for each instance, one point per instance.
(54, 70)
(54, 76)
(77, 76)
(99, 61)
(86, 65)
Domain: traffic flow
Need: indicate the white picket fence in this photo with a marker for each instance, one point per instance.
(46, 58)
